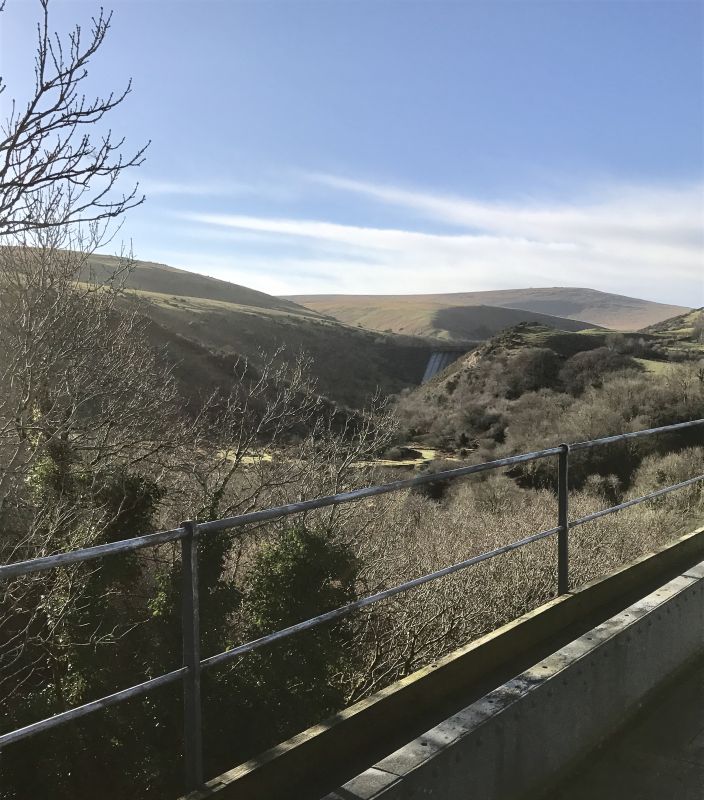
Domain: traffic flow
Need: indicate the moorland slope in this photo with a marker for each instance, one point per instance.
(203, 325)
(446, 314)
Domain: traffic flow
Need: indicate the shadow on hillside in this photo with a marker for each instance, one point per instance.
(481, 322)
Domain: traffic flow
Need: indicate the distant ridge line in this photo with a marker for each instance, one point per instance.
(419, 313)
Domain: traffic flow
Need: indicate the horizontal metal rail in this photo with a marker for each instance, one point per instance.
(89, 708)
(89, 553)
(227, 655)
(162, 537)
(188, 531)
(634, 501)
(151, 540)
(624, 437)
(370, 491)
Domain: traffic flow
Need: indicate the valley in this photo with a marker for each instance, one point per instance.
(361, 345)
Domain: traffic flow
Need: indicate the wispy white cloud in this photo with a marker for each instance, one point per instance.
(644, 241)
(274, 277)
(612, 212)
(153, 187)
(158, 187)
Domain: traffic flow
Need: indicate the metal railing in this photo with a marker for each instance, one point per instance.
(189, 532)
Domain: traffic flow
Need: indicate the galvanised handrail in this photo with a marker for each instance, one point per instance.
(188, 532)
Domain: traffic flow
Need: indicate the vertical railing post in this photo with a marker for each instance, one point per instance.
(563, 556)
(190, 626)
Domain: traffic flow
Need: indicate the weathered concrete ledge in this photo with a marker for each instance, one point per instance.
(326, 755)
(518, 739)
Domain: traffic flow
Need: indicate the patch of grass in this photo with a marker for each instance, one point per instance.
(654, 367)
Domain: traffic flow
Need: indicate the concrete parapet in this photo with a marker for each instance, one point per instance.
(326, 755)
(519, 738)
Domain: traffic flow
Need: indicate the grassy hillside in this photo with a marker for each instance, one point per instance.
(686, 329)
(164, 280)
(425, 316)
(445, 314)
(204, 324)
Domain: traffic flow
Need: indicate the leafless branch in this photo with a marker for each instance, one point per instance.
(58, 165)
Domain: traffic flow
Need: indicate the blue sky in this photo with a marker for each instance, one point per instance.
(386, 147)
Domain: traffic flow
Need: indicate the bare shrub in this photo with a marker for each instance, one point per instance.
(414, 535)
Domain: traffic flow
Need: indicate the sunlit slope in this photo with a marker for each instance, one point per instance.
(682, 335)
(162, 279)
(426, 316)
(654, 351)
(687, 327)
(203, 325)
(655, 348)
(458, 315)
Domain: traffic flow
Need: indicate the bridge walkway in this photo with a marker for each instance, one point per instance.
(658, 756)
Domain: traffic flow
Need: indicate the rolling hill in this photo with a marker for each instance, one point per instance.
(151, 277)
(464, 314)
(687, 328)
(442, 321)
(203, 325)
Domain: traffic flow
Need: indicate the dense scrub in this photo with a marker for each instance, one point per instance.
(513, 397)
(97, 445)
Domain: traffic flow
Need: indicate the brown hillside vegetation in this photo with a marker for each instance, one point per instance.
(163, 279)
(428, 314)
(450, 322)
(684, 328)
(204, 325)
(475, 403)
(135, 396)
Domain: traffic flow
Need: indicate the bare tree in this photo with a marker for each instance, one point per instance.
(86, 405)
(84, 400)
(56, 165)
